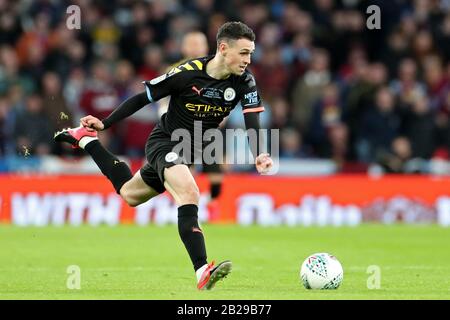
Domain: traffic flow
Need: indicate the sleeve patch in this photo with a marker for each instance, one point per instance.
(158, 79)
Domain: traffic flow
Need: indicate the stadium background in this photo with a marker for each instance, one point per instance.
(347, 99)
(365, 141)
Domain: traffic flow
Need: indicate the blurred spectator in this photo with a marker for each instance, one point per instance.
(125, 76)
(419, 128)
(99, 97)
(280, 109)
(65, 51)
(443, 37)
(423, 45)
(215, 21)
(379, 127)
(72, 91)
(406, 87)
(357, 56)
(396, 158)
(297, 55)
(105, 31)
(442, 120)
(291, 144)
(270, 35)
(152, 67)
(7, 121)
(338, 141)
(194, 45)
(17, 97)
(159, 19)
(54, 103)
(33, 130)
(360, 95)
(272, 75)
(10, 74)
(10, 27)
(397, 49)
(327, 113)
(32, 46)
(35, 65)
(255, 14)
(435, 79)
(295, 20)
(309, 88)
(137, 35)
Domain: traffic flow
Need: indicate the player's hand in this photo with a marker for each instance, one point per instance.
(263, 163)
(92, 123)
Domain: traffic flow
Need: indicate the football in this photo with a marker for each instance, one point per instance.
(321, 271)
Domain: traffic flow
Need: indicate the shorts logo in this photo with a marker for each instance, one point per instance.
(171, 157)
(229, 94)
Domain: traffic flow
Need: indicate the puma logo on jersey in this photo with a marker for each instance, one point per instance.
(194, 88)
(116, 162)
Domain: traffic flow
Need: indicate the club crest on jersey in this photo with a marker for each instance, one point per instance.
(171, 157)
(229, 94)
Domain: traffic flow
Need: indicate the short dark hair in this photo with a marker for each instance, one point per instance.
(235, 30)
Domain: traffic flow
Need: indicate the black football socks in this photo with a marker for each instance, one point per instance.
(115, 170)
(191, 234)
(215, 189)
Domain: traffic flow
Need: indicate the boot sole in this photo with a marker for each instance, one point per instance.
(221, 272)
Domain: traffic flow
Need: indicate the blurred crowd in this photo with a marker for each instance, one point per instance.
(336, 89)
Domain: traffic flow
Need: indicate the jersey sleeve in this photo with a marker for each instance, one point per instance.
(165, 85)
(250, 99)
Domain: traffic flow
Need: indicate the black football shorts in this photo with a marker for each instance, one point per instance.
(159, 154)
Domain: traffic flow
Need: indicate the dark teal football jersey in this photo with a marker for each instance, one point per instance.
(196, 96)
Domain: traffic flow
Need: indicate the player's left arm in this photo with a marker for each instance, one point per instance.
(124, 110)
(263, 162)
(251, 107)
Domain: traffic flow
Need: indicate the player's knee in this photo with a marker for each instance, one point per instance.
(129, 198)
(190, 195)
(133, 202)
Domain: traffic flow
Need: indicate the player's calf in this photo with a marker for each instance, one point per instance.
(115, 170)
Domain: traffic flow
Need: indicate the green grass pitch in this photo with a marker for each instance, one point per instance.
(131, 262)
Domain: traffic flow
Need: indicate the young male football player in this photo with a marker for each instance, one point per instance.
(203, 91)
(193, 45)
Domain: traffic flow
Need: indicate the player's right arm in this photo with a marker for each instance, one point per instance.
(125, 109)
(155, 89)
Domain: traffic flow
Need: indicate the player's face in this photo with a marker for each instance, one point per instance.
(237, 55)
